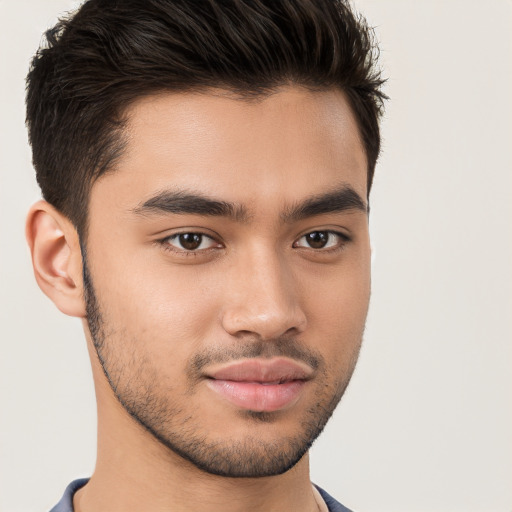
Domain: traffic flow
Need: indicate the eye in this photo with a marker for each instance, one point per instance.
(321, 240)
(190, 242)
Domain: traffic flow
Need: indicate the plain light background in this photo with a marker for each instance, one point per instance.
(426, 423)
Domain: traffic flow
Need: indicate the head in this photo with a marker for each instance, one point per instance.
(206, 168)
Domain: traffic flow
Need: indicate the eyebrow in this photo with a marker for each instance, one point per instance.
(342, 199)
(183, 202)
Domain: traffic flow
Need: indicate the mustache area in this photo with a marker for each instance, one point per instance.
(248, 349)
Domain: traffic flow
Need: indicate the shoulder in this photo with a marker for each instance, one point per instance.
(332, 504)
(66, 502)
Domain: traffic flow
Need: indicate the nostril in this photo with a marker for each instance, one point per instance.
(281, 323)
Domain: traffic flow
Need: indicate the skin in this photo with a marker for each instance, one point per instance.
(254, 284)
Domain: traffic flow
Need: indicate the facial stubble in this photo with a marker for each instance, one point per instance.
(161, 415)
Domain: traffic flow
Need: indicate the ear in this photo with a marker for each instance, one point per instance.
(56, 257)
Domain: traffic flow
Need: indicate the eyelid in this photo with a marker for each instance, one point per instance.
(166, 245)
(343, 239)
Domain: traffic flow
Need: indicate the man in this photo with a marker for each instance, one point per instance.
(206, 168)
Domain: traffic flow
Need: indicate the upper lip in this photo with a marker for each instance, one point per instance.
(275, 370)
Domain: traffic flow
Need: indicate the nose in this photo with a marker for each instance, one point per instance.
(262, 298)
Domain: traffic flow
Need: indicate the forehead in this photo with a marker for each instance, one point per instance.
(280, 147)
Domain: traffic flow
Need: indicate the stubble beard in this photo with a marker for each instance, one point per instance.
(174, 428)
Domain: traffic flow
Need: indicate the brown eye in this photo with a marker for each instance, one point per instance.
(321, 240)
(190, 242)
(317, 239)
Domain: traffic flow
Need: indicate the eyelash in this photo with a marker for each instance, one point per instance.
(164, 243)
(343, 239)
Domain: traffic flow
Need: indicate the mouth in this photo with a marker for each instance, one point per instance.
(260, 385)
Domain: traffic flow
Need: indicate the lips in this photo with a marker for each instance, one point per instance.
(260, 385)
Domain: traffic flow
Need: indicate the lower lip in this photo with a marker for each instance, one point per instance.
(257, 397)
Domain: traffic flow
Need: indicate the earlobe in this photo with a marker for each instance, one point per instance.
(56, 257)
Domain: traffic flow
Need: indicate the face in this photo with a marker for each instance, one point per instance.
(227, 273)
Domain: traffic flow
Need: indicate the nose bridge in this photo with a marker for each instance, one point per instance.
(264, 297)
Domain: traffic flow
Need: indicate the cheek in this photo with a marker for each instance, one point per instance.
(168, 309)
(337, 308)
